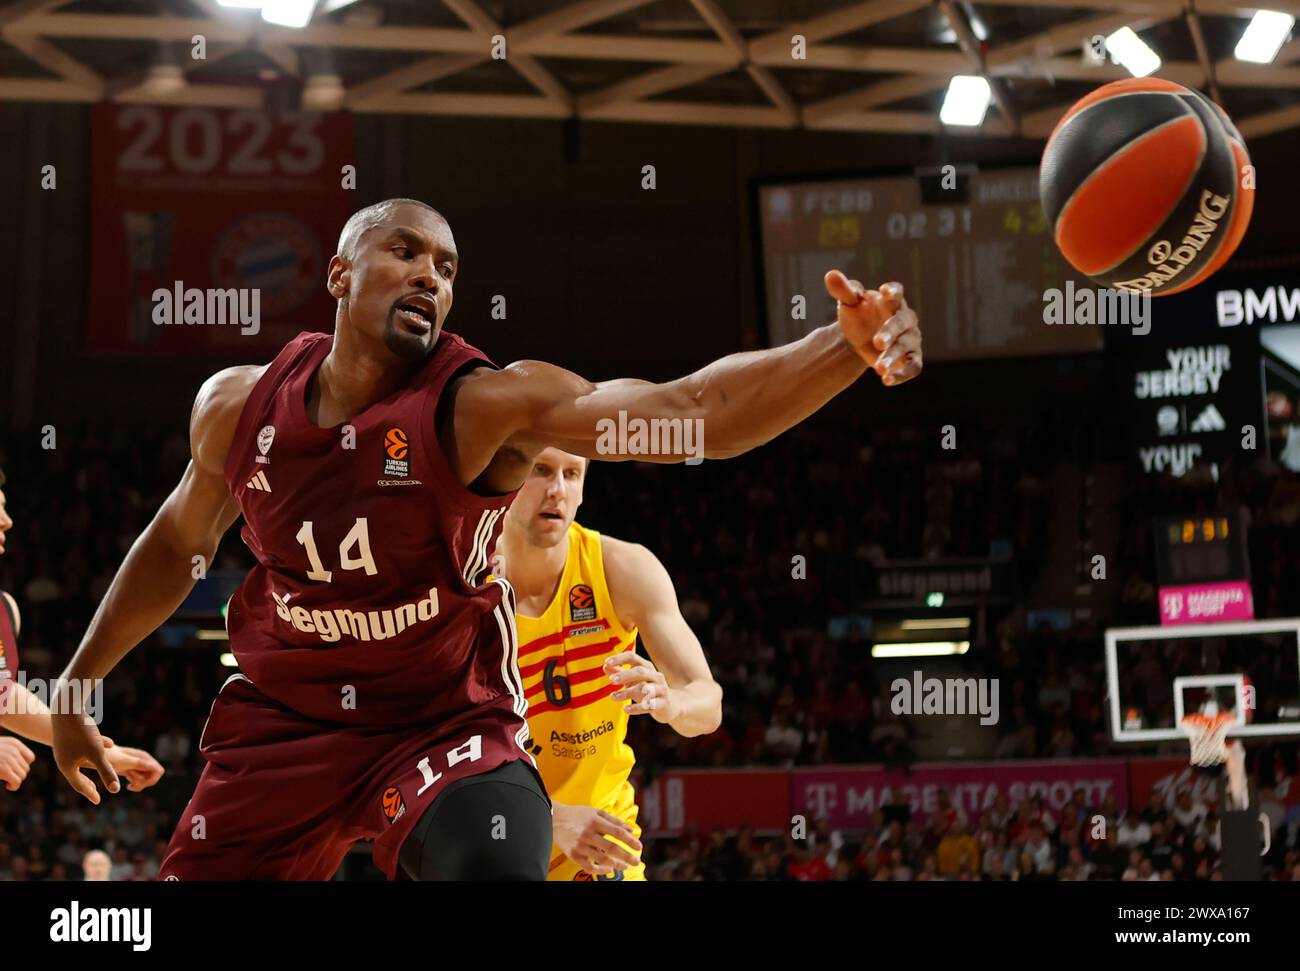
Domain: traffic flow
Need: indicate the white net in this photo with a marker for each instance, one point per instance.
(1209, 737)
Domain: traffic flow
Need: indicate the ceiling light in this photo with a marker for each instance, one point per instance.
(920, 649)
(977, 27)
(1129, 50)
(324, 92)
(966, 101)
(288, 13)
(164, 79)
(1266, 33)
(936, 623)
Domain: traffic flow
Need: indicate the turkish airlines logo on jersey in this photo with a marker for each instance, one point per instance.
(582, 603)
(396, 449)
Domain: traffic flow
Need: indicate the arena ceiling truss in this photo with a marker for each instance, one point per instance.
(877, 66)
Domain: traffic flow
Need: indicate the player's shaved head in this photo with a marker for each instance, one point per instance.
(363, 220)
(393, 258)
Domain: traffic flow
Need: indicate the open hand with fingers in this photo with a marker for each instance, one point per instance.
(140, 768)
(880, 326)
(78, 745)
(582, 834)
(643, 685)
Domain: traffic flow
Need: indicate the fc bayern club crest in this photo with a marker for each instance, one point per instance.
(272, 252)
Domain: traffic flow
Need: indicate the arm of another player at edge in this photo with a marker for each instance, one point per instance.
(158, 571)
(644, 597)
(742, 400)
(24, 713)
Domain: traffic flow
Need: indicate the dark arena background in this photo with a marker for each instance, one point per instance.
(949, 619)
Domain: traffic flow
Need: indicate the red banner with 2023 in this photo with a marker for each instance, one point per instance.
(212, 228)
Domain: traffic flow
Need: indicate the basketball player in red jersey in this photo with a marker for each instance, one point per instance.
(25, 714)
(379, 695)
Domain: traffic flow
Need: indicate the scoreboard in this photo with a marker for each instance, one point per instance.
(1201, 549)
(975, 257)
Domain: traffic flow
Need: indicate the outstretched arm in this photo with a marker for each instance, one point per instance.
(27, 715)
(677, 689)
(741, 400)
(157, 574)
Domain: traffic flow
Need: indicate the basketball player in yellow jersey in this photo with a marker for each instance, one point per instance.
(581, 599)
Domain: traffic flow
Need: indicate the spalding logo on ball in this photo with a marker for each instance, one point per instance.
(1146, 185)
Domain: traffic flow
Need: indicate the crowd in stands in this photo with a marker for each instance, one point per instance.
(797, 690)
(1021, 841)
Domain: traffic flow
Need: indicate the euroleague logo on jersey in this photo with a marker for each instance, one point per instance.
(396, 449)
(582, 603)
(393, 804)
(582, 876)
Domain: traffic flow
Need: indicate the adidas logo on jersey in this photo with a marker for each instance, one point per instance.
(259, 482)
(1209, 421)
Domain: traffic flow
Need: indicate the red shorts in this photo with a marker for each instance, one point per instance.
(284, 797)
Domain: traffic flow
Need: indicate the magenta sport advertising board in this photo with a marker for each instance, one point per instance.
(848, 796)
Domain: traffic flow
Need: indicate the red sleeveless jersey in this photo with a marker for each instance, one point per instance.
(367, 604)
(8, 651)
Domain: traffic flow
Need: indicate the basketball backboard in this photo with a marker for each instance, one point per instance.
(1155, 675)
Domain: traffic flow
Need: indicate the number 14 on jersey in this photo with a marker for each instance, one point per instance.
(358, 538)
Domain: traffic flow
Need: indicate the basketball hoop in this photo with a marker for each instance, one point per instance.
(1209, 736)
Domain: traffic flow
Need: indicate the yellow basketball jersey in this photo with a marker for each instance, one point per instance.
(578, 733)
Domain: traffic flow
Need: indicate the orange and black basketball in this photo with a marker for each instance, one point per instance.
(1147, 186)
(395, 443)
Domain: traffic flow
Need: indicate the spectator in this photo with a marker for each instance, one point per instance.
(783, 739)
(1000, 857)
(172, 748)
(996, 870)
(956, 850)
(1160, 850)
(1155, 809)
(1133, 831)
(1111, 857)
(1039, 849)
(1189, 813)
(97, 866)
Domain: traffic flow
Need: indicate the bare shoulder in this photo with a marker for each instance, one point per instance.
(216, 412)
(634, 575)
(624, 556)
(521, 382)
